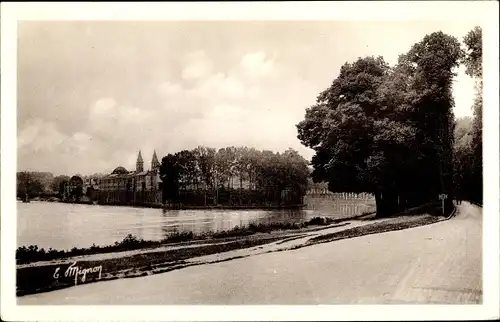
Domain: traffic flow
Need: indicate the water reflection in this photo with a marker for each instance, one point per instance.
(63, 226)
(199, 221)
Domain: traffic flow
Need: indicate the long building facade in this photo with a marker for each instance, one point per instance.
(139, 187)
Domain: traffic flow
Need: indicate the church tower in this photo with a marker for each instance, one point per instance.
(155, 165)
(139, 165)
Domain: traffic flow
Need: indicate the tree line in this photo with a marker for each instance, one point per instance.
(390, 130)
(44, 185)
(36, 184)
(468, 157)
(205, 176)
(232, 175)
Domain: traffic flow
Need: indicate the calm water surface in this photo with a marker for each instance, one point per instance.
(63, 226)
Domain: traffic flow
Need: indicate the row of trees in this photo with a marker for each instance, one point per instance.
(208, 170)
(44, 184)
(36, 184)
(389, 130)
(29, 185)
(468, 157)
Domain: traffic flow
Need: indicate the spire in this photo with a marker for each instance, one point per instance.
(139, 165)
(155, 165)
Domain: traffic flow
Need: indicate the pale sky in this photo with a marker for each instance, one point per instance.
(91, 94)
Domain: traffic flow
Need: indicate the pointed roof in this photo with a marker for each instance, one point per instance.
(155, 158)
(139, 157)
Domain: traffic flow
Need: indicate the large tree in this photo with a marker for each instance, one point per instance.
(242, 165)
(347, 129)
(474, 68)
(205, 163)
(382, 130)
(28, 184)
(58, 183)
(435, 59)
(462, 157)
(294, 171)
(225, 167)
(170, 176)
(187, 169)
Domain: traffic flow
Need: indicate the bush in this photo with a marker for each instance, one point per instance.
(317, 221)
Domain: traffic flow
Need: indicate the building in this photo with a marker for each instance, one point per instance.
(139, 187)
(90, 188)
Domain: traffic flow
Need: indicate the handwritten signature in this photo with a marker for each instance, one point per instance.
(76, 271)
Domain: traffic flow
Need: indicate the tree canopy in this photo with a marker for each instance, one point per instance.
(58, 183)
(469, 154)
(29, 183)
(207, 169)
(388, 130)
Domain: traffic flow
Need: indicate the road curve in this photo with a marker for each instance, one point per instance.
(439, 263)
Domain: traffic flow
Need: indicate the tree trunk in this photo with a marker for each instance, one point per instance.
(386, 203)
(241, 187)
(380, 206)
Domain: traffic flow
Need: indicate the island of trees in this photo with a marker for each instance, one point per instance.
(234, 176)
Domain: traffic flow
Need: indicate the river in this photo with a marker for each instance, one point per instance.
(64, 226)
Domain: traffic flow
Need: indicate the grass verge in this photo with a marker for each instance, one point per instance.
(36, 279)
(375, 228)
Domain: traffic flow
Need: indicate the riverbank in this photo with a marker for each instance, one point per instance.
(44, 276)
(30, 254)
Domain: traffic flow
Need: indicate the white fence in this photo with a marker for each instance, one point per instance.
(340, 195)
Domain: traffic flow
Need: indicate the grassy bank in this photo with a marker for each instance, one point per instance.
(30, 280)
(375, 228)
(32, 253)
(431, 213)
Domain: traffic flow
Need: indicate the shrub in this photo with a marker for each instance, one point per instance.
(317, 221)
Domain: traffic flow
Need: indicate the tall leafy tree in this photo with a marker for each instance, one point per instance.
(205, 162)
(253, 158)
(433, 61)
(462, 157)
(28, 184)
(57, 184)
(346, 128)
(187, 170)
(242, 164)
(382, 130)
(224, 165)
(474, 68)
(76, 183)
(473, 59)
(170, 176)
(296, 171)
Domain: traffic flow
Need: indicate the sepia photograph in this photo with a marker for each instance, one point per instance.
(251, 162)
